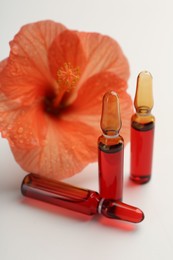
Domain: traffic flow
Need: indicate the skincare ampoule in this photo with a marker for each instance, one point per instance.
(142, 130)
(77, 199)
(111, 149)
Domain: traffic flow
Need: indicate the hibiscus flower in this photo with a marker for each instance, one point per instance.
(51, 88)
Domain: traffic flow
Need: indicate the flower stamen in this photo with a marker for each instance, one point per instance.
(68, 77)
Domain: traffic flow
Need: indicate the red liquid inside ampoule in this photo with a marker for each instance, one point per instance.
(60, 194)
(77, 199)
(111, 171)
(141, 153)
(122, 211)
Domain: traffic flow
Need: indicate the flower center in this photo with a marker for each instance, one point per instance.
(67, 78)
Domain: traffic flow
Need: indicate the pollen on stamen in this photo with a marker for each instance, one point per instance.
(68, 76)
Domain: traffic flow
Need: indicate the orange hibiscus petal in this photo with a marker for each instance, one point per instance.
(22, 128)
(102, 54)
(87, 107)
(2, 66)
(6, 105)
(67, 150)
(66, 48)
(27, 73)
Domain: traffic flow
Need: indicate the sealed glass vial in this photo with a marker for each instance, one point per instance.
(111, 149)
(142, 130)
(77, 199)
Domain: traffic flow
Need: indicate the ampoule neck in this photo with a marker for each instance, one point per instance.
(109, 141)
(143, 111)
(110, 134)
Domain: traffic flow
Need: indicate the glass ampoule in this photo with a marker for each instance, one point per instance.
(142, 130)
(77, 199)
(111, 149)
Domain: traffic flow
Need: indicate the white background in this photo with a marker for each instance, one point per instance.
(31, 230)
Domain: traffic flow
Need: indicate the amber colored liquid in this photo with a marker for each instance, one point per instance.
(111, 159)
(60, 194)
(142, 136)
